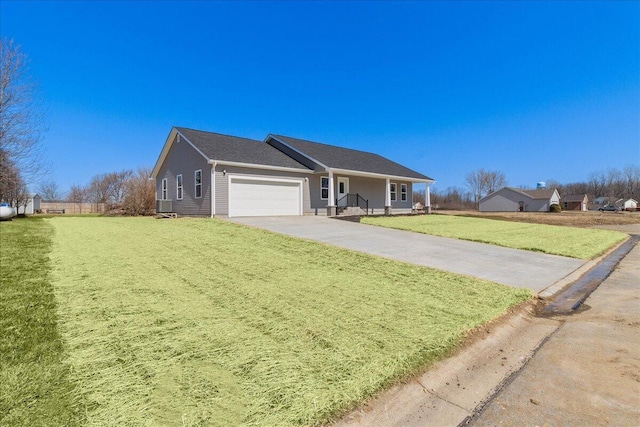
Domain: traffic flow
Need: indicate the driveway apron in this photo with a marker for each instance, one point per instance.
(512, 267)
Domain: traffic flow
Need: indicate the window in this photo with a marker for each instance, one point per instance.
(198, 183)
(324, 188)
(403, 192)
(393, 191)
(179, 187)
(164, 189)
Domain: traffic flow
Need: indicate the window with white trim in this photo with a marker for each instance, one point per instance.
(403, 192)
(198, 184)
(179, 187)
(393, 191)
(324, 188)
(164, 189)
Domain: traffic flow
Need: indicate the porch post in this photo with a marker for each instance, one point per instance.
(387, 198)
(213, 190)
(331, 211)
(427, 200)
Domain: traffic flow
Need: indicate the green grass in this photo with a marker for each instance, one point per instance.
(566, 241)
(35, 389)
(204, 322)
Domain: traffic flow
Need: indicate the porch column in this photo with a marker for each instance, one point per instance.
(427, 199)
(387, 198)
(213, 190)
(331, 211)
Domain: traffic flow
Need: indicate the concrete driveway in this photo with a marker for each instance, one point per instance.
(512, 267)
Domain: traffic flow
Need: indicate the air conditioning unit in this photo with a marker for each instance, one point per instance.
(164, 206)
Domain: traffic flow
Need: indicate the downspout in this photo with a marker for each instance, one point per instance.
(213, 189)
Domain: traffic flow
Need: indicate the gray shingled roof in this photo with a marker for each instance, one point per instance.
(234, 149)
(345, 158)
(535, 194)
(573, 198)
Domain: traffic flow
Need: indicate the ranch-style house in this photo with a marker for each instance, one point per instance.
(208, 174)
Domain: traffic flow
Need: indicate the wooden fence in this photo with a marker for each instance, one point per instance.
(71, 208)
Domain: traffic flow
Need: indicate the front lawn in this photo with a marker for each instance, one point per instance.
(566, 241)
(200, 321)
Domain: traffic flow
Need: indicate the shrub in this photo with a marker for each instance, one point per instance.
(555, 208)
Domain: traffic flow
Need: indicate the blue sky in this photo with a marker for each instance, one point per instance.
(538, 90)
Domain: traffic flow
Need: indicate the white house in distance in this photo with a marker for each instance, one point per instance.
(629, 204)
(510, 199)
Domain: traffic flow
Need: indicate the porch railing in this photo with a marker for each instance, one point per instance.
(352, 200)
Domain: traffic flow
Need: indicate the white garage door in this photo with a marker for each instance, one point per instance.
(264, 197)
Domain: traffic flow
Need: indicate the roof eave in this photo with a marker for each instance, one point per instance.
(381, 175)
(258, 166)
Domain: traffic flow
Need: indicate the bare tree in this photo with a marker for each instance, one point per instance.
(475, 182)
(21, 120)
(631, 181)
(98, 189)
(109, 187)
(494, 180)
(118, 187)
(140, 193)
(50, 191)
(12, 187)
(482, 182)
(9, 177)
(78, 195)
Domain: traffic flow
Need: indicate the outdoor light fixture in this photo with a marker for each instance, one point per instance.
(224, 172)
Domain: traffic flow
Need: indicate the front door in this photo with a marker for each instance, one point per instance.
(343, 190)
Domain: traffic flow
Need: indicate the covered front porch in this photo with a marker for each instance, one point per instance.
(361, 193)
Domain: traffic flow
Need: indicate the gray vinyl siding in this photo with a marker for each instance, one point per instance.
(222, 184)
(506, 200)
(183, 159)
(371, 189)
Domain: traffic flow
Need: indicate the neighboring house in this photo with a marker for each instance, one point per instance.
(629, 204)
(510, 199)
(278, 176)
(575, 202)
(602, 200)
(33, 205)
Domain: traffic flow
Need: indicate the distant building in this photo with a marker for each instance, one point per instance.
(575, 202)
(628, 205)
(510, 199)
(32, 206)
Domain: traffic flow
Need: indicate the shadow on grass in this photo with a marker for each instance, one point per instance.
(35, 389)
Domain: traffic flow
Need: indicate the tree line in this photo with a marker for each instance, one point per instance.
(127, 192)
(613, 184)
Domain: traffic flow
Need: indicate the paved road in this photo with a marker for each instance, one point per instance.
(588, 372)
(513, 267)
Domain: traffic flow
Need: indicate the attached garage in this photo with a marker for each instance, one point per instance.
(258, 196)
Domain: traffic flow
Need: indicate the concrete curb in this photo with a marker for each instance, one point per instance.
(454, 389)
(577, 273)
